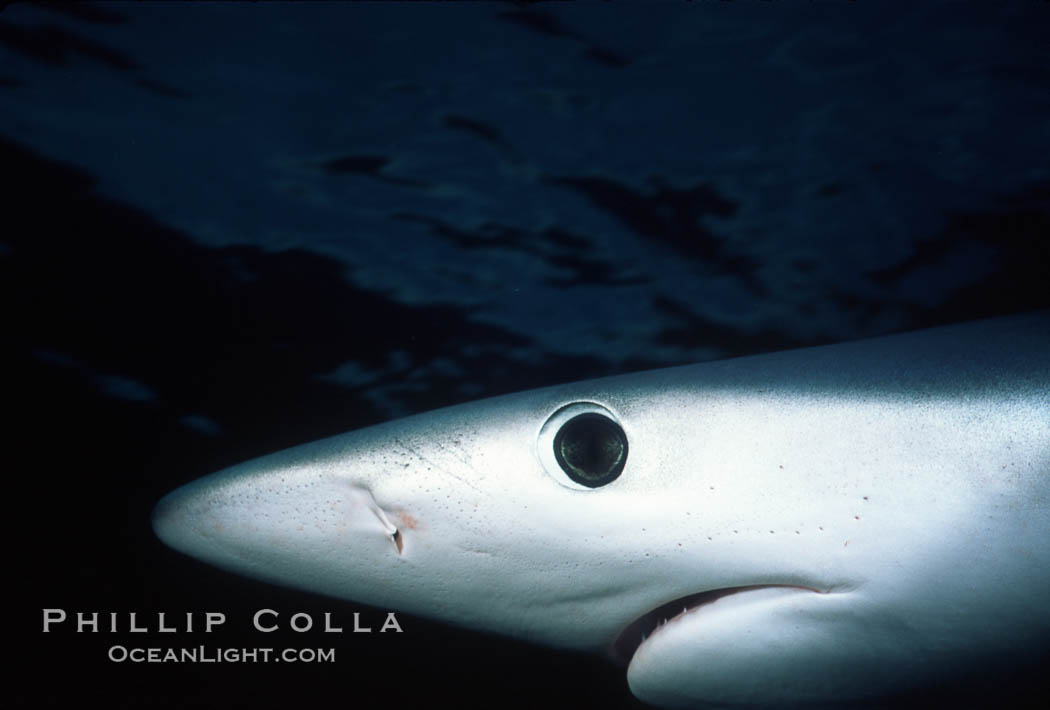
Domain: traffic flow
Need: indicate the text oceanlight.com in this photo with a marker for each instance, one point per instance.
(204, 654)
(264, 621)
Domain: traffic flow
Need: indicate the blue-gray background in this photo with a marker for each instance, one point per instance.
(231, 228)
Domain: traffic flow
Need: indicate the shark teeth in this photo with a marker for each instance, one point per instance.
(642, 628)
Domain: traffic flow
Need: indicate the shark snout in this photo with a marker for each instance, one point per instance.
(179, 517)
(283, 519)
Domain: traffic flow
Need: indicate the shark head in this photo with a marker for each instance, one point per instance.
(740, 532)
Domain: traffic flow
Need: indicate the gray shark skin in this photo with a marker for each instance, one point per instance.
(822, 525)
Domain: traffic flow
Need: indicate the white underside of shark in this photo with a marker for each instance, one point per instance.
(824, 524)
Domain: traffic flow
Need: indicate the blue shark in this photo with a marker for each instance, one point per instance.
(826, 524)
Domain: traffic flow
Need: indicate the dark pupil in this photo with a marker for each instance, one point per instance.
(591, 449)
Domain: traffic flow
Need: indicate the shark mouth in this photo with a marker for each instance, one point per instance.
(640, 629)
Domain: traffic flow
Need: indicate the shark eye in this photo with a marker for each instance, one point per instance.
(583, 446)
(591, 449)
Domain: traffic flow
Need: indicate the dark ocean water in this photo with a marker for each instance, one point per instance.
(227, 229)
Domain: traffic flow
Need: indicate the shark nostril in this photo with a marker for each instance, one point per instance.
(372, 505)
